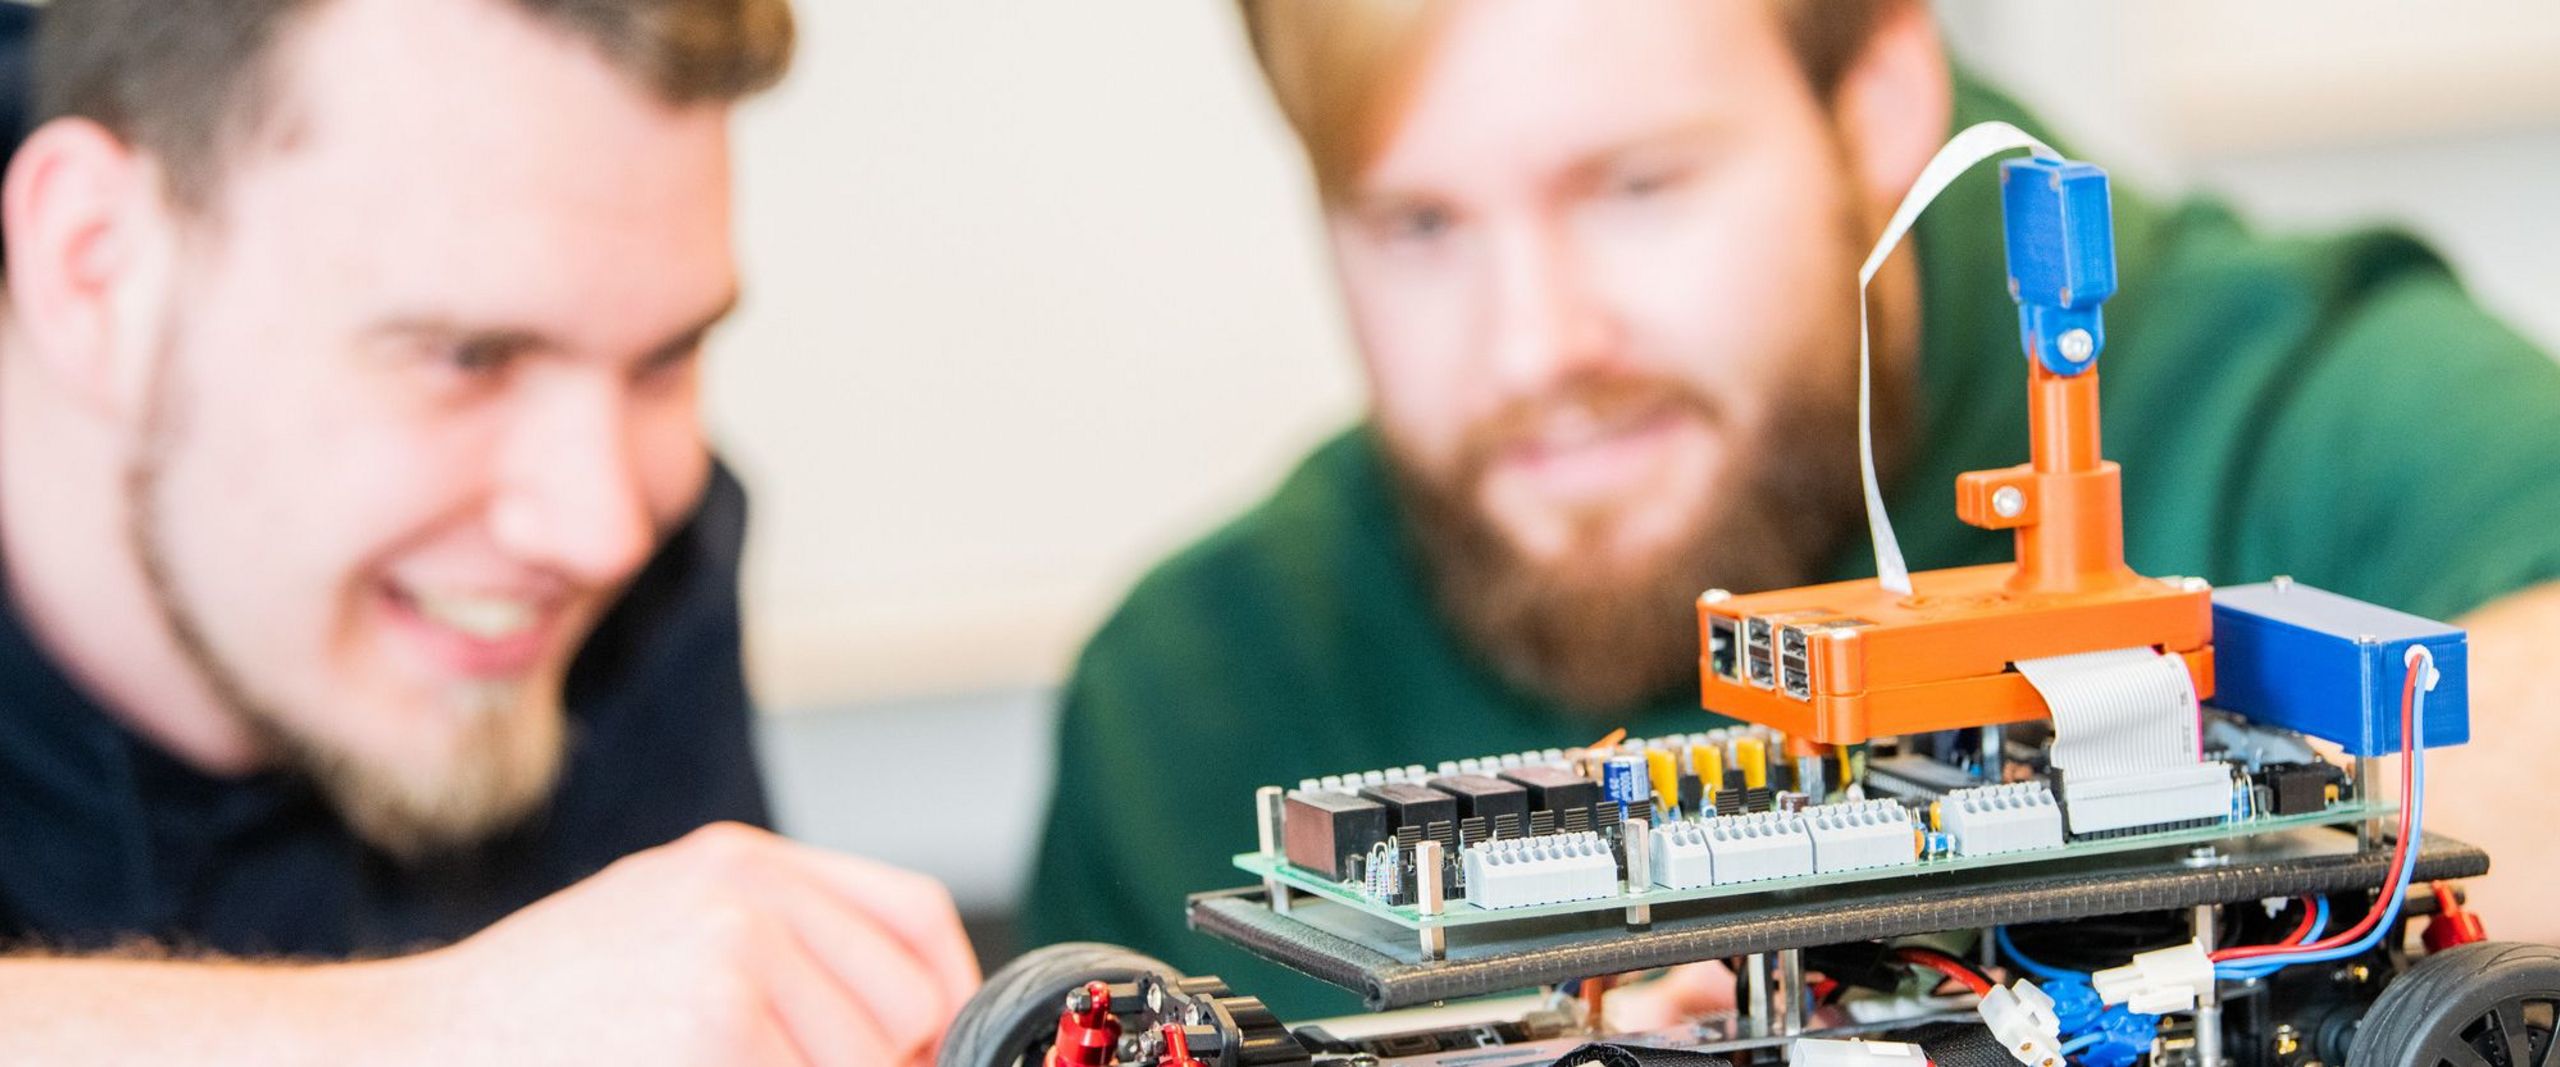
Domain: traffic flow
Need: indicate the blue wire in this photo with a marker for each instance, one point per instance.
(2081, 1043)
(2261, 967)
(2009, 948)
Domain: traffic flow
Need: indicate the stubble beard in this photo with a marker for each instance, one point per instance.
(508, 738)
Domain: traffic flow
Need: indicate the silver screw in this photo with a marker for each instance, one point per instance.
(1716, 596)
(2008, 502)
(2077, 346)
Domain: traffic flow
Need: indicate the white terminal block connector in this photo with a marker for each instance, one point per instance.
(1987, 820)
(1680, 859)
(1524, 872)
(2176, 978)
(1759, 846)
(1824, 1052)
(1861, 836)
(2021, 1017)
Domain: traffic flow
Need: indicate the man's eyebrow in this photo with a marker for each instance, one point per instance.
(501, 340)
(439, 330)
(1693, 130)
(685, 341)
(1698, 130)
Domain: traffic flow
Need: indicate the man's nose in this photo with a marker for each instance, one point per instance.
(1549, 323)
(571, 497)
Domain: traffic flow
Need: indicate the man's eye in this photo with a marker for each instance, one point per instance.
(1422, 223)
(1636, 185)
(479, 359)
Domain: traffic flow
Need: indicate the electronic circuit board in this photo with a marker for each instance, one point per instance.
(1463, 913)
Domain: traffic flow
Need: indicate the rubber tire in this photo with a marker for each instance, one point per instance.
(2425, 1011)
(1019, 1004)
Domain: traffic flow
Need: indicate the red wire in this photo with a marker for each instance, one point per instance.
(2399, 851)
(2310, 911)
(1946, 965)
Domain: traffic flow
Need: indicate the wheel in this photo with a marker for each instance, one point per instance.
(1019, 1004)
(2490, 1004)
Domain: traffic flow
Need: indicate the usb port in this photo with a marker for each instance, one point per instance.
(1795, 665)
(1758, 660)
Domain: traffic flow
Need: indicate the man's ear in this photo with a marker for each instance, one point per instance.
(1894, 103)
(88, 251)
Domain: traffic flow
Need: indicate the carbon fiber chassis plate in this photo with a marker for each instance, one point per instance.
(1383, 962)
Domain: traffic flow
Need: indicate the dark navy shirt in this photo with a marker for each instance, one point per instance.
(106, 838)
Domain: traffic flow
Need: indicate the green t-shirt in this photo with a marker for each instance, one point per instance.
(2331, 408)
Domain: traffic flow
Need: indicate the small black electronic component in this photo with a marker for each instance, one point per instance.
(1473, 831)
(1413, 805)
(1326, 831)
(2299, 788)
(1444, 832)
(1484, 796)
(1554, 788)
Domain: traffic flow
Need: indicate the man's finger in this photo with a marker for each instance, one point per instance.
(913, 909)
(826, 1026)
(867, 965)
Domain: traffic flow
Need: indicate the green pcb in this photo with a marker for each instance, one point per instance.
(1462, 913)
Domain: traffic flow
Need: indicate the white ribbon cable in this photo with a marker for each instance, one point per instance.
(1976, 143)
(2126, 711)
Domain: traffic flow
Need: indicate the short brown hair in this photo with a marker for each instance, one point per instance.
(1339, 68)
(187, 79)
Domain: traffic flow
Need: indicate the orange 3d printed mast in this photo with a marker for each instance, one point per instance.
(1844, 662)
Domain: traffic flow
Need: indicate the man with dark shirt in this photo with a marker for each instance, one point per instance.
(369, 582)
(1600, 260)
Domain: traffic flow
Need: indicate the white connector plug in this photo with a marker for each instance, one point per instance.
(2176, 978)
(2021, 1016)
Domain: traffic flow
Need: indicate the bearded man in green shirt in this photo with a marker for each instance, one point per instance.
(1600, 260)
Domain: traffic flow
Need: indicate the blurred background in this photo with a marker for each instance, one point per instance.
(1036, 298)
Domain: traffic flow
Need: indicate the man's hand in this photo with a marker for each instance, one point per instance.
(1683, 994)
(729, 946)
(2495, 792)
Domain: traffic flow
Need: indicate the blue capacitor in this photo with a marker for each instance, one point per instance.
(1625, 780)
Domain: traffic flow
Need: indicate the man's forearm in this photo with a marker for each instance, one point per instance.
(107, 1010)
(2497, 791)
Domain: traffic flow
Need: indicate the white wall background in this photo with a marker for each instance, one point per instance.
(1032, 297)
(1035, 297)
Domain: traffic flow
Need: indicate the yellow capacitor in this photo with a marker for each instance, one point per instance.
(1753, 754)
(1707, 762)
(1665, 770)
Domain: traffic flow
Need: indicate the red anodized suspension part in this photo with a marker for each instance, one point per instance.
(1177, 1048)
(1088, 1034)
